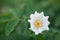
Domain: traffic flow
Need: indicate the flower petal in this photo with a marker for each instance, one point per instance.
(47, 17)
(31, 15)
(29, 20)
(42, 13)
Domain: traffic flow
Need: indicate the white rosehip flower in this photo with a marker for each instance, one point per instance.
(38, 22)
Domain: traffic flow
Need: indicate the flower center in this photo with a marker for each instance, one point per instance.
(38, 23)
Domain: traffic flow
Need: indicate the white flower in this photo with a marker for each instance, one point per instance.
(38, 22)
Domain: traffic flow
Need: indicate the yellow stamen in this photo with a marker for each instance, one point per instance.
(38, 23)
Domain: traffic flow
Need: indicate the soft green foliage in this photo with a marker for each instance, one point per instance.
(10, 26)
(14, 15)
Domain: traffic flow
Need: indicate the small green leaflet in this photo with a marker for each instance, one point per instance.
(6, 17)
(11, 26)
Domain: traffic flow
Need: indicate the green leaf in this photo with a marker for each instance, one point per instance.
(57, 21)
(6, 17)
(24, 27)
(2, 27)
(13, 12)
(50, 35)
(22, 31)
(49, 11)
(17, 12)
(39, 37)
(11, 26)
(57, 36)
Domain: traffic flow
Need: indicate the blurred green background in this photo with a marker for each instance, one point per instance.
(15, 13)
